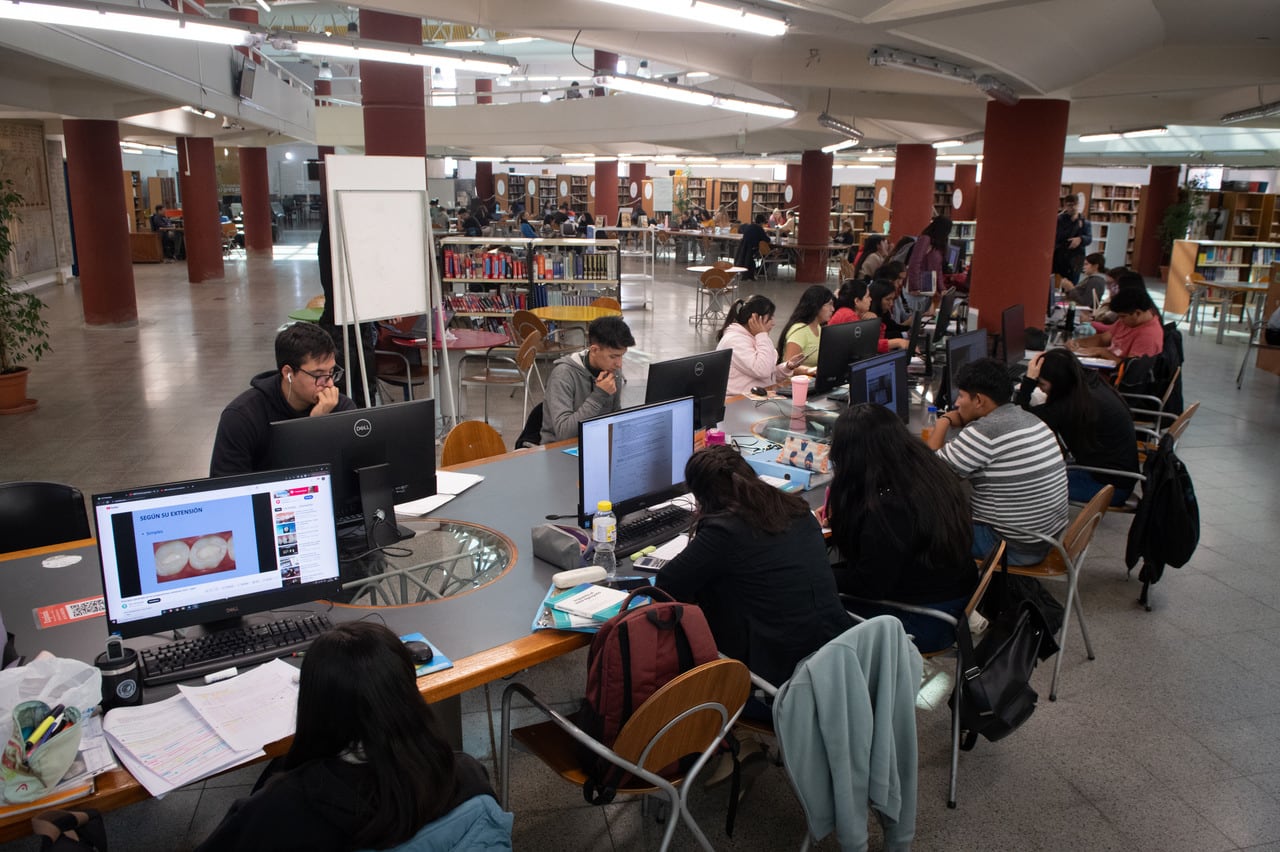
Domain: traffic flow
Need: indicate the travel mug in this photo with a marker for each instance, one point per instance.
(121, 678)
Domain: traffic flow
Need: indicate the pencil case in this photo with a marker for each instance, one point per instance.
(28, 777)
(564, 547)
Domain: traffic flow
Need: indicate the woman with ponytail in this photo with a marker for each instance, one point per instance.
(755, 361)
(757, 565)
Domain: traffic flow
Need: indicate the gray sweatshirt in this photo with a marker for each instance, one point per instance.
(572, 396)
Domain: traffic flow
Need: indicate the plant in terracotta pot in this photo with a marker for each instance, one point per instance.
(24, 333)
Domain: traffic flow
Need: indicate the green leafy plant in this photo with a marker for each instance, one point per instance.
(1178, 218)
(24, 333)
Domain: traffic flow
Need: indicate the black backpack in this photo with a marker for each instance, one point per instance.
(1166, 525)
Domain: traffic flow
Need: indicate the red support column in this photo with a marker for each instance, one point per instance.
(815, 171)
(395, 113)
(484, 182)
(255, 197)
(1021, 177)
(244, 15)
(94, 168)
(606, 63)
(607, 192)
(796, 186)
(323, 89)
(484, 90)
(912, 202)
(966, 183)
(636, 174)
(1161, 193)
(321, 152)
(201, 225)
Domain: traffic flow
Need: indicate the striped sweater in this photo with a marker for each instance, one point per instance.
(1015, 467)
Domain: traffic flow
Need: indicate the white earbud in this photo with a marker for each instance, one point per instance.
(289, 378)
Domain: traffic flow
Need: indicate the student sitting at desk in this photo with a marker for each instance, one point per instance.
(586, 384)
(368, 768)
(801, 331)
(883, 296)
(899, 518)
(749, 247)
(853, 302)
(757, 565)
(161, 225)
(526, 229)
(1136, 331)
(875, 251)
(1090, 418)
(1011, 459)
(303, 384)
(755, 360)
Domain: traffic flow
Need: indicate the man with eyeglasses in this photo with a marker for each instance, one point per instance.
(303, 384)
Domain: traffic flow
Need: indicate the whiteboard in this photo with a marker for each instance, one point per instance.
(378, 222)
(662, 194)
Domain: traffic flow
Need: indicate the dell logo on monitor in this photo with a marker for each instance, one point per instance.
(363, 428)
(698, 368)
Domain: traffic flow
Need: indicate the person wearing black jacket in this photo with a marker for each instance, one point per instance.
(1072, 234)
(753, 234)
(757, 565)
(1089, 417)
(303, 384)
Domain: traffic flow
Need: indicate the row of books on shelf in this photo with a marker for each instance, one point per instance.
(559, 266)
(1222, 254)
(556, 265)
(488, 302)
(1225, 274)
(545, 295)
(461, 264)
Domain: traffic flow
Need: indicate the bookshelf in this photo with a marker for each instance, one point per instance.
(547, 195)
(766, 196)
(965, 232)
(864, 200)
(579, 197)
(1108, 203)
(135, 211)
(486, 280)
(1228, 261)
(162, 190)
(724, 196)
(1249, 215)
(696, 187)
(942, 198)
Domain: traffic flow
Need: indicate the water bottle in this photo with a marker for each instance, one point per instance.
(930, 421)
(1070, 326)
(604, 533)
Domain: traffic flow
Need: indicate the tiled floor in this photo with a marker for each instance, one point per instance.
(1166, 742)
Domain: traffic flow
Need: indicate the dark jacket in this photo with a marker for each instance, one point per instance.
(318, 807)
(1114, 445)
(749, 248)
(243, 434)
(770, 599)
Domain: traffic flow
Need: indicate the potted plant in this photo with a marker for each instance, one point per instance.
(24, 334)
(1178, 219)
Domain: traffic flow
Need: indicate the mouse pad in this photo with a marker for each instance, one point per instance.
(439, 661)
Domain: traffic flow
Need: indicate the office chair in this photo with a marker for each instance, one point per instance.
(38, 514)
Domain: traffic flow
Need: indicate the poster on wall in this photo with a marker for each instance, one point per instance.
(663, 194)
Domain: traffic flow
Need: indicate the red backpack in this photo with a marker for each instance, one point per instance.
(635, 654)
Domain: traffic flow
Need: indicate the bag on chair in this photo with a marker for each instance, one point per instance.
(635, 654)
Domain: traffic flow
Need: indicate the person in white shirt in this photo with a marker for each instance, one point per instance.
(755, 360)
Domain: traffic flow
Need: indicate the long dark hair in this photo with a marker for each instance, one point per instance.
(879, 289)
(851, 290)
(873, 456)
(741, 311)
(938, 231)
(358, 692)
(1071, 386)
(811, 302)
(724, 484)
(869, 247)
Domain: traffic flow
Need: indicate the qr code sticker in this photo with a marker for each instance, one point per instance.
(86, 608)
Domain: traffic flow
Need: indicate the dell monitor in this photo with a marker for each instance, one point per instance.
(961, 349)
(942, 319)
(705, 377)
(210, 550)
(1013, 334)
(882, 380)
(634, 458)
(380, 456)
(841, 345)
(955, 255)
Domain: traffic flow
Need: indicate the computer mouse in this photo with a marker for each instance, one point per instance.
(420, 652)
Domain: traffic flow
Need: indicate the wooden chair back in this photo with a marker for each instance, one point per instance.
(606, 302)
(765, 248)
(846, 269)
(528, 352)
(1179, 425)
(471, 440)
(524, 322)
(723, 264)
(316, 302)
(714, 279)
(724, 682)
(989, 566)
(1080, 531)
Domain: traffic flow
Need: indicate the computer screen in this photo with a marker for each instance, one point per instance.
(841, 345)
(943, 318)
(704, 376)
(882, 380)
(1013, 334)
(244, 82)
(634, 458)
(955, 255)
(399, 440)
(196, 552)
(963, 348)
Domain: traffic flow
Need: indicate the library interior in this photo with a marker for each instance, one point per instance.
(456, 196)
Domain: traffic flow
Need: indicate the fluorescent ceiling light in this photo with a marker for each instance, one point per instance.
(1099, 137)
(389, 51)
(877, 159)
(840, 146)
(526, 159)
(992, 87)
(689, 95)
(542, 78)
(590, 158)
(1148, 131)
(729, 17)
(263, 4)
(948, 143)
(486, 159)
(206, 113)
(695, 74)
(955, 158)
(466, 42)
(517, 78)
(997, 89)
(129, 20)
(699, 159)
(1262, 111)
(844, 128)
(516, 40)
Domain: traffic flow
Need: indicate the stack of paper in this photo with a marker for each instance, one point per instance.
(449, 484)
(205, 729)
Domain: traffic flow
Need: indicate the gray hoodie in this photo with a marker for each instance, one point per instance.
(572, 396)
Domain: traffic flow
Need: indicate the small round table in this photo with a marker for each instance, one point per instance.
(573, 313)
(462, 339)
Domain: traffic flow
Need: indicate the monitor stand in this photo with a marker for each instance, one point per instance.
(377, 501)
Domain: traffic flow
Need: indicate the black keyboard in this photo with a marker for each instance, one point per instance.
(655, 527)
(237, 646)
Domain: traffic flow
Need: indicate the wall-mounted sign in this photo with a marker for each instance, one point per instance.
(744, 193)
(957, 198)
(564, 187)
(788, 194)
(502, 186)
(882, 197)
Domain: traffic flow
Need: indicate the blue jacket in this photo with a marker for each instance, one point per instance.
(476, 825)
(846, 724)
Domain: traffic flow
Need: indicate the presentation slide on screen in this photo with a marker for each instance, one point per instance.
(881, 387)
(195, 543)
